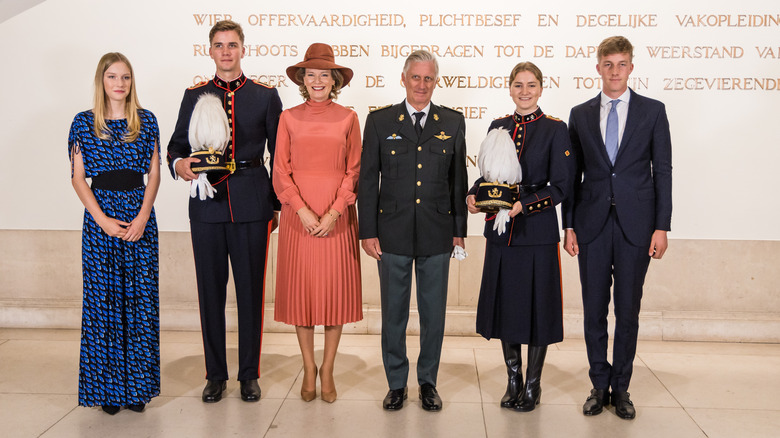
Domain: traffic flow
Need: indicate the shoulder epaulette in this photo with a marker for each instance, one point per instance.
(380, 108)
(198, 85)
(262, 83)
(453, 109)
(503, 117)
(553, 118)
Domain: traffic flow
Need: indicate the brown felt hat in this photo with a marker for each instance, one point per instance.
(319, 56)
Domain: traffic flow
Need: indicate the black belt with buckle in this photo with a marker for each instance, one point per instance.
(530, 188)
(249, 164)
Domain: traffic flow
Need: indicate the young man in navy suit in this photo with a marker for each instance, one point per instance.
(618, 217)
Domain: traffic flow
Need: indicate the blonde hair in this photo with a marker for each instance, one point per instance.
(529, 67)
(615, 44)
(100, 106)
(226, 26)
(338, 80)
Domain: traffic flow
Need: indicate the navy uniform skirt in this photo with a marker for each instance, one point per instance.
(520, 299)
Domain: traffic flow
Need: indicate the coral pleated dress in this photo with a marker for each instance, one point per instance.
(316, 164)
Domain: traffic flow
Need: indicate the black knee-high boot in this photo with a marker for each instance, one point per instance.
(532, 392)
(514, 363)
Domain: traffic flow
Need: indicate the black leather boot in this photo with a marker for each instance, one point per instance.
(514, 363)
(532, 392)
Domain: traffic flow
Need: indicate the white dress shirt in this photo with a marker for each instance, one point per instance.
(622, 113)
(425, 110)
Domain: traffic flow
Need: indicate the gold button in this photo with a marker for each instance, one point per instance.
(419, 183)
(418, 200)
(517, 150)
(419, 166)
(419, 148)
(392, 152)
(444, 151)
(530, 208)
(381, 211)
(521, 128)
(230, 102)
(518, 143)
(546, 202)
(230, 111)
(230, 94)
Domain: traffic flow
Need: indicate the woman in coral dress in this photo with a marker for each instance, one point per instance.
(315, 176)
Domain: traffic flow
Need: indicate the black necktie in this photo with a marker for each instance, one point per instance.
(417, 119)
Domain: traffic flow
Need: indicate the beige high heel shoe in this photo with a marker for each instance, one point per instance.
(328, 396)
(308, 396)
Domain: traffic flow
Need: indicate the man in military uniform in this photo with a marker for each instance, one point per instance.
(237, 222)
(411, 199)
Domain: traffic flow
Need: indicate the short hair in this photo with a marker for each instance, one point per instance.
(421, 56)
(615, 44)
(338, 78)
(526, 66)
(100, 106)
(225, 26)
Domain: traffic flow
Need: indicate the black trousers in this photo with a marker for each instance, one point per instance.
(246, 245)
(610, 256)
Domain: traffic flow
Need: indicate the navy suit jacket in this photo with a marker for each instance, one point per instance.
(412, 192)
(253, 110)
(640, 182)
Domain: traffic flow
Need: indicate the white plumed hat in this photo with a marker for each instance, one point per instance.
(209, 126)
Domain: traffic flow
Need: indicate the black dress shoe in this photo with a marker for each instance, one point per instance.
(136, 408)
(596, 401)
(212, 393)
(430, 397)
(111, 410)
(250, 390)
(624, 408)
(394, 400)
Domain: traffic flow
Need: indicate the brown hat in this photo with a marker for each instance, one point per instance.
(319, 56)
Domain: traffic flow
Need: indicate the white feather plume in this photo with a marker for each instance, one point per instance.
(497, 159)
(209, 127)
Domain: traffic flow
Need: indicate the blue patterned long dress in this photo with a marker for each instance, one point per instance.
(120, 347)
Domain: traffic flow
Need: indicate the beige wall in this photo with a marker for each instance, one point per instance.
(703, 290)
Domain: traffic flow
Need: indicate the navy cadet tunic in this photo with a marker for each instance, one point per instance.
(520, 297)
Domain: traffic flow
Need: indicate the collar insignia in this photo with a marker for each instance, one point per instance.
(436, 117)
(401, 118)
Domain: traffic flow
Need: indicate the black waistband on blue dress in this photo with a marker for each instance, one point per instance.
(122, 179)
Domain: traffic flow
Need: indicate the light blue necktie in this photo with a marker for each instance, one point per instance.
(611, 140)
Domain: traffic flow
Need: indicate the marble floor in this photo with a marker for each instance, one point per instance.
(680, 390)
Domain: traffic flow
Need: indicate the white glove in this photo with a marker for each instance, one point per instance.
(499, 224)
(459, 253)
(202, 187)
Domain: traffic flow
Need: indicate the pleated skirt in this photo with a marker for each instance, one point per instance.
(318, 278)
(520, 299)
